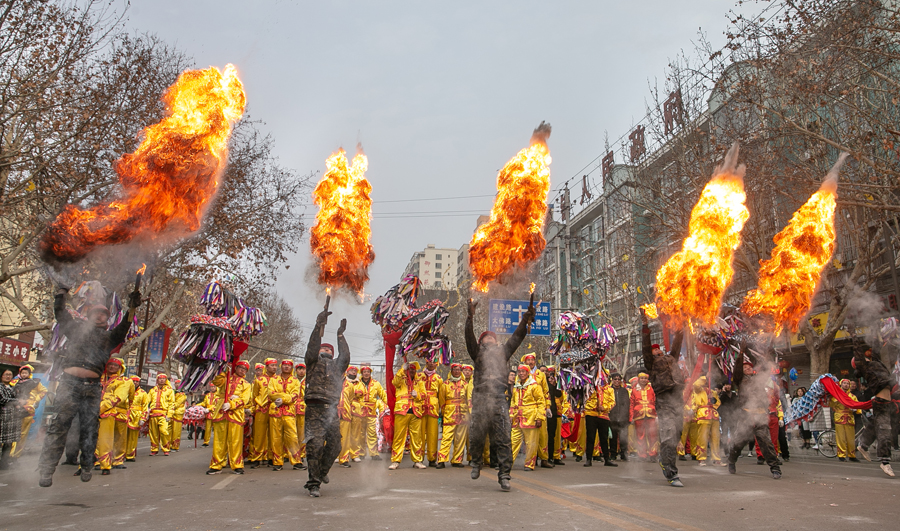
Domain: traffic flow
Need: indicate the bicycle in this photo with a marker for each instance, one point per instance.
(826, 443)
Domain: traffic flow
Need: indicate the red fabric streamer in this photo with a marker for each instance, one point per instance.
(834, 389)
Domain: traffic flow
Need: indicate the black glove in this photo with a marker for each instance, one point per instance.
(342, 327)
(643, 316)
(134, 300)
(322, 318)
(472, 306)
(530, 313)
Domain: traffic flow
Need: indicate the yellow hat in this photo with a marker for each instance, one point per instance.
(526, 356)
(700, 382)
(415, 364)
(26, 366)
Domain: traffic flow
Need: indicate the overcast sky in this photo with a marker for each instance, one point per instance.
(441, 95)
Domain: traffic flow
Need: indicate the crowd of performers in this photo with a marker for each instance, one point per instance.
(326, 411)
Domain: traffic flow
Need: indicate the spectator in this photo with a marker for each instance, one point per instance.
(10, 418)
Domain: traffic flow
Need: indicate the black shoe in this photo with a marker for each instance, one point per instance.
(120, 467)
(588, 463)
(46, 480)
(457, 465)
(675, 482)
(609, 463)
(495, 466)
(476, 472)
(238, 471)
(86, 475)
(205, 444)
(325, 480)
(760, 461)
(577, 458)
(693, 457)
(432, 464)
(129, 460)
(212, 471)
(104, 472)
(69, 463)
(77, 472)
(314, 492)
(854, 460)
(276, 468)
(546, 464)
(623, 457)
(732, 469)
(299, 466)
(376, 457)
(841, 459)
(440, 465)
(682, 458)
(345, 465)
(558, 462)
(504, 485)
(785, 458)
(776, 474)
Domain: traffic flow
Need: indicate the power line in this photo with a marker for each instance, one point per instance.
(434, 198)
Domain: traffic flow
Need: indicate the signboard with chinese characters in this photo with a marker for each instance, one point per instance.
(504, 317)
(158, 345)
(13, 351)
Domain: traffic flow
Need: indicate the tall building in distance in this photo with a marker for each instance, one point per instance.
(436, 268)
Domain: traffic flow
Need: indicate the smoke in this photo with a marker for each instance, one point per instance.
(831, 179)
(730, 164)
(541, 133)
(864, 312)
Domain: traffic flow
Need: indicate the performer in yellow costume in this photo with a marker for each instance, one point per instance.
(300, 411)
(137, 416)
(526, 411)
(177, 418)
(232, 396)
(283, 391)
(408, 408)
(162, 402)
(431, 382)
(115, 392)
(260, 448)
(541, 379)
(844, 424)
(454, 399)
(31, 391)
(374, 399)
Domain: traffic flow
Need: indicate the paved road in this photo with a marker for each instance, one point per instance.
(173, 492)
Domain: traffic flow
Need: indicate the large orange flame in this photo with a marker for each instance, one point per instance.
(170, 179)
(514, 235)
(788, 280)
(340, 238)
(692, 283)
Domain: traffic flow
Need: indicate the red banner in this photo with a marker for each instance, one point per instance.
(13, 351)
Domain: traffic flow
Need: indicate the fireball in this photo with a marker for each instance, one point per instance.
(170, 180)
(692, 283)
(340, 238)
(514, 235)
(788, 280)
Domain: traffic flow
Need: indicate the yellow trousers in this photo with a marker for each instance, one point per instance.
(457, 436)
(159, 434)
(543, 439)
(710, 434)
(370, 427)
(120, 441)
(530, 436)
(283, 440)
(347, 440)
(228, 445)
(19, 447)
(689, 432)
(104, 453)
(846, 440)
(557, 441)
(430, 441)
(207, 432)
(404, 425)
(300, 421)
(131, 443)
(175, 438)
(632, 439)
(259, 443)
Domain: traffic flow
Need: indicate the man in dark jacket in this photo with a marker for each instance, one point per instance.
(490, 410)
(727, 414)
(879, 381)
(555, 418)
(667, 382)
(79, 390)
(324, 374)
(618, 418)
(752, 411)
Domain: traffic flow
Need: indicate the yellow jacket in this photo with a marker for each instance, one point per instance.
(526, 409)
(162, 401)
(541, 379)
(212, 403)
(179, 407)
(842, 413)
(403, 394)
(288, 390)
(259, 394)
(115, 395)
(705, 405)
(34, 396)
(227, 386)
(138, 410)
(300, 402)
(432, 385)
(351, 395)
(374, 397)
(600, 403)
(454, 399)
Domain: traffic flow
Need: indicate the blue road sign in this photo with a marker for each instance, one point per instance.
(504, 317)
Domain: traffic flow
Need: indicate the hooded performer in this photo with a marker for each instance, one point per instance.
(490, 409)
(79, 390)
(323, 391)
(880, 381)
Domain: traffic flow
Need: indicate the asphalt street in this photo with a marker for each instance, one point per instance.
(174, 493)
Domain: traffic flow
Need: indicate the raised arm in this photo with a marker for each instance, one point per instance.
(315, 339)
(521, 331)
(676, 344)
(117, 335)
(471, 340)
(646, 345)
(343, 360)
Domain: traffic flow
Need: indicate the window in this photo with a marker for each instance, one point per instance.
(437, 265)
(437, 274)
(437, 257)
(437, 283)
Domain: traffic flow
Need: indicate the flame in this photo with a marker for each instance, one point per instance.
(142, 270)
(788, 280)
(340, 238)
(169, 181)
(692, 282)
(531, 288)
(514, 234)
(650, 310)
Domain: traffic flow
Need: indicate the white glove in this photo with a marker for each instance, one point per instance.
(278, 402)
(142, 423)
(226, 406)
(415, 394)
(780, 423)
(405, 366)
(548, 413)
(233, 398)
